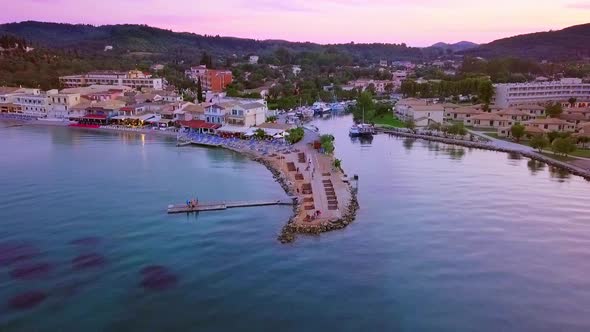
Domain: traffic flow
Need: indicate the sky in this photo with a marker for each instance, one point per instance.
(416, 22)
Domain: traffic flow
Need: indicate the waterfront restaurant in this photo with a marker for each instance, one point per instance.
(94, 119)
(200, 126)
(133, 120)
(233, 131)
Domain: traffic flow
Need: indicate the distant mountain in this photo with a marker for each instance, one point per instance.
(129, 38)
(456, 47)
(567, 44)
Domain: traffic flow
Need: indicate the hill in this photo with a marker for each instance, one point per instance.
(163, 43)
(456, 47)
(567, 44)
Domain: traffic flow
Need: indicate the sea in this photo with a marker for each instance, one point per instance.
(447, 238)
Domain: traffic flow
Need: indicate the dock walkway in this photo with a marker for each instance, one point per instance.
(216, 206)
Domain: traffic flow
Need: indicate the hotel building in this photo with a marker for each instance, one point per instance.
(134, 79)
(514, 94)
(211, 79)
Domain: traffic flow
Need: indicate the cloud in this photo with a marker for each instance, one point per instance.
(579, 5)
(278, 6)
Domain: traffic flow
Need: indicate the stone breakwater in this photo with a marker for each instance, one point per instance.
(585, 173)
(291, 229)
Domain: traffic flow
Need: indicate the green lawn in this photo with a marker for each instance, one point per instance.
(389, 120)
(483, 129)
(584, 153)
(557, 157)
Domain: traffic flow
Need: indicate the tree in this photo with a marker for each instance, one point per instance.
(539, 142)
(457, 129)
(200, 97)
(563, 146)
(485, 91)
(206, 60)
(365, 107)
(584, 140)
(295, 135)
(410, 124)
(389, 88)
(553, 110)
(434, 126)
(337, 164)
(553, 135)
(572, 101)
(259, 133)
(517, 131)
(188, 97)
(327, 142)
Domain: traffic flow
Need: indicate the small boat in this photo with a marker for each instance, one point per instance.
(361, 130)
(337, 107)
(320, 108)
(306, 112)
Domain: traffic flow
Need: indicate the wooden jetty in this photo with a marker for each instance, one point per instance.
(216, 206)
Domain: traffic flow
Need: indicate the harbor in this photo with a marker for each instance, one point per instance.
(323, 196)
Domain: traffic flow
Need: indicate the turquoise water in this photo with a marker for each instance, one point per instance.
(447, 239)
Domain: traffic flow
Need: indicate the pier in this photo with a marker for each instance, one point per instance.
(216, 206)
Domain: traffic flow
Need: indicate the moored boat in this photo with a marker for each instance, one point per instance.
(361, 130)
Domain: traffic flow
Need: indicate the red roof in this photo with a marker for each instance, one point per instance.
(95, 116)
(199, 124)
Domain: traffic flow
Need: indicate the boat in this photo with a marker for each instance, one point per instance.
(361, 130)
(337, 107)
(306, 112)
(320, 108)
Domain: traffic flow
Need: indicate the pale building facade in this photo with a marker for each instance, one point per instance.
(514, 94)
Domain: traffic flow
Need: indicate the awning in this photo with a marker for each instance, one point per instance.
(233, 129)
(144, 117)
(199, 124)
(153, 120)
(94, 117)
(269, 131)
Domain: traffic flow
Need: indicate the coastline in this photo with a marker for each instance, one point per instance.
(574, 170)
(297, 224)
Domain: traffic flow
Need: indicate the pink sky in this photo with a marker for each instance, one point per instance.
(416, 22)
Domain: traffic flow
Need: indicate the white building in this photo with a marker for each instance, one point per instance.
(421, 111)
(134, 78)
(253, 59)
(35, 102)
(237, 112)
(514, 94)
(247, 114)
(9, 94)
(61, 103)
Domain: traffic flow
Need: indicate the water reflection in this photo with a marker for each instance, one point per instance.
(558, 173)
(455, 152)
(535, 166)
(409, 143)
(514, 156)
(363, 140)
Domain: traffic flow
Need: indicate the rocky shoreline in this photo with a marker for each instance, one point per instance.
(584, 173)
(291, 229)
